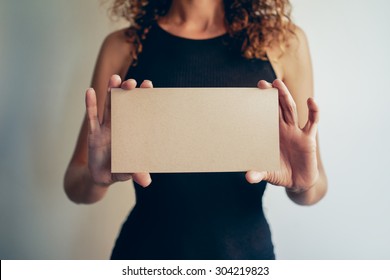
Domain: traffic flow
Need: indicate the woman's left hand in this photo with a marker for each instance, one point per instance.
(298, 150)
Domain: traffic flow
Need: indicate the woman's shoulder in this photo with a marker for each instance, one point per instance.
(287, 56)
(117, 38)
(116, 50)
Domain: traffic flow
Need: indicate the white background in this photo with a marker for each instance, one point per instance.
(47, 54)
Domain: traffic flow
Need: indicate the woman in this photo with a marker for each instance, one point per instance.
(185, 43)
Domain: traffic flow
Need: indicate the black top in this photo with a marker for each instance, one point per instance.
(196, 215)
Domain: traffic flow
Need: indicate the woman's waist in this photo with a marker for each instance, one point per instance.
(213, 193)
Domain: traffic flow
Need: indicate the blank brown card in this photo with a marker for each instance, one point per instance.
(194, 130)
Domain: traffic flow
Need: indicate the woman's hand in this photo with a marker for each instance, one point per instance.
(99, 137)
(298, 158)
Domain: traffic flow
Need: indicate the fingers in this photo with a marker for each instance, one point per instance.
(92, 111)
(115, 82)
(254, 177)
(262, 84)
(286, 102)
(129, 84)
(142, 179)
(146, 84)
(314, 115)
(107, 111)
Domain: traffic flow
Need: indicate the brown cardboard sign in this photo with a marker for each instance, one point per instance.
(194, 130)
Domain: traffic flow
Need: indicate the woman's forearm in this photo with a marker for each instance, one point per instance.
(79, 186)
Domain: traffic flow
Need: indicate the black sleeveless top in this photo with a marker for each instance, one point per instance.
(196, 215)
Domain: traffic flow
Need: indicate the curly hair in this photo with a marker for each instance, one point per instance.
(255, 24)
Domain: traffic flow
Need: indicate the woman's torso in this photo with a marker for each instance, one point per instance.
(196, 215)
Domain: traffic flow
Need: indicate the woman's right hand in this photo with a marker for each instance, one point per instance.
(99, 137)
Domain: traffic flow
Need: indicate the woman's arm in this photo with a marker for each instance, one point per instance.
(298, 77)
(88, 175)
(304, 176)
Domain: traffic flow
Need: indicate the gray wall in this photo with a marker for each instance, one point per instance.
(47, 54)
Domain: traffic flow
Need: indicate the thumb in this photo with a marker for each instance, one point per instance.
(142, 178)
(255, 176)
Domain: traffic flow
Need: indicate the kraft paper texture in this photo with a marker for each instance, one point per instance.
(194, 130)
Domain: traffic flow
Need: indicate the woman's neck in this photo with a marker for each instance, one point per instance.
(197, 19)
